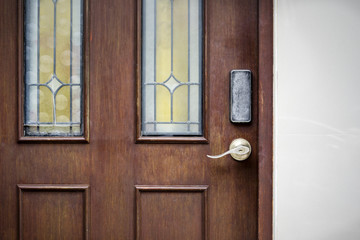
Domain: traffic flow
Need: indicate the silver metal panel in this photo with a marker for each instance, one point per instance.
(240, 96)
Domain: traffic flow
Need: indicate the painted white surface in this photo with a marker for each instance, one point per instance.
(317, 120)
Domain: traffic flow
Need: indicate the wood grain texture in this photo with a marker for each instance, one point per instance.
(113, 111)
(239, 36)
(171, 212)
(8, 119)
(233, 44)
(53, 211)
(266, 119)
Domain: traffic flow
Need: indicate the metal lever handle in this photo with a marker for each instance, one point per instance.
(240, 149)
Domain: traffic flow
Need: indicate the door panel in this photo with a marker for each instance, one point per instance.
(117, 187)
(48, 211)
(171, 212)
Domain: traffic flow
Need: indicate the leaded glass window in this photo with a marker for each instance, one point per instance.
(53, 43)
(171, 67)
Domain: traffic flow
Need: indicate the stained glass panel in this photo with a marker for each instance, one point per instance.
(171, 67)
(53, 67)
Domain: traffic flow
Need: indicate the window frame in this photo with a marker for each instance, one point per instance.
(85, 138)
(204, 94)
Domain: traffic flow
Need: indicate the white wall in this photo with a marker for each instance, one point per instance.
(317, 120)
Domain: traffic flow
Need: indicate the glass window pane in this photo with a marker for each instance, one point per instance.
(171, 67)
(53, 67)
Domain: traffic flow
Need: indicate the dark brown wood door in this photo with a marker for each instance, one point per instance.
(120, 185)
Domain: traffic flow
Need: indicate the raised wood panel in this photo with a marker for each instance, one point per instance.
(53, 211)
(171, 212)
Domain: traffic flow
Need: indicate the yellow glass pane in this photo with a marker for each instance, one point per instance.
(164, 60)
(163, 106)
(46, 34)
(180, 104)
(180, 41)
(45, 105)
(163, 40)
(180, 60)
(63, 40)
(62, 60)
(63, 105)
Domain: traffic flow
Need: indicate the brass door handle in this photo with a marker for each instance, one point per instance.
(239, 149)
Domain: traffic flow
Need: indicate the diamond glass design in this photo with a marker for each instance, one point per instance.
(172, 83)
(54, 83)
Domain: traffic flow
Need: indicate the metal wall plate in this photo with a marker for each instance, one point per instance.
(240, 96)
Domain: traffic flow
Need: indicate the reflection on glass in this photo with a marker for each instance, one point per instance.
(53, 71)
(171, 67)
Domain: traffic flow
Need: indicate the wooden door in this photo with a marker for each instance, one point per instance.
(113, 183)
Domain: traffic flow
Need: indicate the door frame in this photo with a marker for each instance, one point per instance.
(265, 138)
